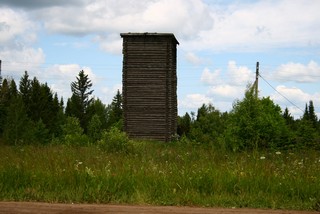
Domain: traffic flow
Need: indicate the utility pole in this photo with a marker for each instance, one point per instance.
(257, 79)
(0, 74)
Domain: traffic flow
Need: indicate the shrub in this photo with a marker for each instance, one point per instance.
(73, 133)
(114, 140)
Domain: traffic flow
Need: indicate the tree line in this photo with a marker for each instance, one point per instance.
(253, 123)
(31, 113)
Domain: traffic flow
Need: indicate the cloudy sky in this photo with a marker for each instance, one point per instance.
(220, 43)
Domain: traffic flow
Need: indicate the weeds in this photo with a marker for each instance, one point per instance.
(161, 174)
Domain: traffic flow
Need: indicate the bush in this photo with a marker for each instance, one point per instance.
(73, 133)
(114, 140)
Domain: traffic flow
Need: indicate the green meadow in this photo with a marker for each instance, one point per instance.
(161, 174)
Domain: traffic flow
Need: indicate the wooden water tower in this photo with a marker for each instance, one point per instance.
(150, 85)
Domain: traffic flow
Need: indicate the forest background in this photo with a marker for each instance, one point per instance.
(31, 113)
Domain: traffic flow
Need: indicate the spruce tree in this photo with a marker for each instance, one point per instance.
(115, 111)
(312, 115)
(25, 91)
(81, 98)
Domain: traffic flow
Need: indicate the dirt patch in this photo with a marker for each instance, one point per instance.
(30, 207)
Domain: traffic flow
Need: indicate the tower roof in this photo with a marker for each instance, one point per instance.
(150, 35)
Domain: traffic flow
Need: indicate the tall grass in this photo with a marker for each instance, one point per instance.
(161, 174)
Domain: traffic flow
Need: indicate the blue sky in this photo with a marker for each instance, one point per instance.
(220, 43)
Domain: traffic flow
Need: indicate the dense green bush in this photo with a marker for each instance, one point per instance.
(72, 133)
(114, 140)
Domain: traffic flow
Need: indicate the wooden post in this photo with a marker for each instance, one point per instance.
(0, 74)
(257, 79)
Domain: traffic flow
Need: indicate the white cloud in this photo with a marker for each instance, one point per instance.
(112, 16)
(192, 101)
(298, 72)
(16, 61)
(107, 18)
(226, 86)
(226, 91)
(294, 94)
(15, 26)
(110, 43)
(230, 84)
(234, 76)
(239, 75)
(297, 99)
(199, 25)
(193, 58)
(261, 25)
(211, 78)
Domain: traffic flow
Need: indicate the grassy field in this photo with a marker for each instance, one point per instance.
(161, 174)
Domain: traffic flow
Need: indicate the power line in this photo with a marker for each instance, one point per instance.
(281, 94)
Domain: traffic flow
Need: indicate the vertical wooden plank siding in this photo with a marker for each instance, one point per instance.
(150, 85)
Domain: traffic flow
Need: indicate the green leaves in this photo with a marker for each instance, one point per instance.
(255, 123)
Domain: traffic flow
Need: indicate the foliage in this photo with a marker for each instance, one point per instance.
(255, 123)
(34, 115)
(184, 125)
(208, 126)
(72, 132)
(114, 140)
(97, 108)
(17, 125)
(95, 128)
(115, 112)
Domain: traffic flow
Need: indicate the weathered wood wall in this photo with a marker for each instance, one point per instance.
(150, 85)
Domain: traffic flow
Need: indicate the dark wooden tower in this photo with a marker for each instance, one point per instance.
(150, 85)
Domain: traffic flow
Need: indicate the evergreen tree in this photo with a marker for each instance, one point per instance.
(81, 98)
(184, 125)
(73, 133)
(17, 128)
(98, 108)
(306, 115)
(36, 100)
(307, 135)
(58, 118)
(25, 91)
(13, 91)
(115, 111)
(208, 126)
(95, 128)
(312, 115)
(287, 116)
(8, 91)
